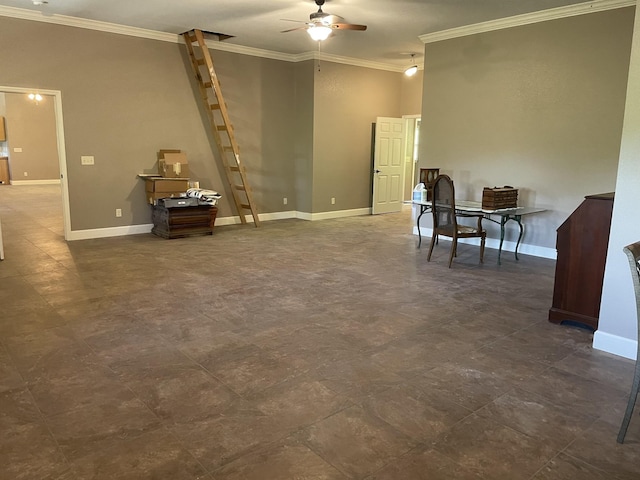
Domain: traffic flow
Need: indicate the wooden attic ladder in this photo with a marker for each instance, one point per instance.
(220, 124)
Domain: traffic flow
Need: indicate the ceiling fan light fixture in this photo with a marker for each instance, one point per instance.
(319, 32)
(411, 71)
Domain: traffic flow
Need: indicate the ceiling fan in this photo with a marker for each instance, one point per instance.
(321, 24)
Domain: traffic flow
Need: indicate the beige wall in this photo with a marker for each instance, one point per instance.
(303, 134)
(411, 93)
(347, 101)
(539, 107)
(31, 127)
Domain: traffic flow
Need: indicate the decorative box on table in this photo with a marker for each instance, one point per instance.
(499, 197)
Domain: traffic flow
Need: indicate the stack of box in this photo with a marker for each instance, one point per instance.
(497, 198)
(173, 179)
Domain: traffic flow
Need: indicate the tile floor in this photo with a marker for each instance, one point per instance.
(298, 350)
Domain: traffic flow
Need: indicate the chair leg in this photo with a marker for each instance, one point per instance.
(454, 245)
(434, 239)
(630, 405)
(482, 239)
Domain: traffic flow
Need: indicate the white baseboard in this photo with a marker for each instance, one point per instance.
(35, 182)
(494, 243)
(109, 232)
(220, 221)
(623, 347)
(264, 217)
(356, 212)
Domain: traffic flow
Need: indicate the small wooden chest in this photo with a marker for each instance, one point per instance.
(183, 221)
(499, 197)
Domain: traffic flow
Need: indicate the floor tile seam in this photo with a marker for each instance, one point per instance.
(624, 393)
(45, 424)
(583, 461)
(266, 447)
(592, 418)
(533, 477)
(222, 382)
(474, 414)
(605, 387)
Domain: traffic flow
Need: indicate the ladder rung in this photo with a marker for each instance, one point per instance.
(214, 106)
(240, 187)
(222, 128)
(245, 206)
(200, 61)
(228, 148)
(234, 169)
(207, 84)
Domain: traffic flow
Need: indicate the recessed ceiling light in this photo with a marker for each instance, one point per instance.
(39, 2)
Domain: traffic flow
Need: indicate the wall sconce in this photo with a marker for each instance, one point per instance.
(411, 71)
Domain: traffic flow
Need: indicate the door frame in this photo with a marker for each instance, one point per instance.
(62, 156)
(410, 119)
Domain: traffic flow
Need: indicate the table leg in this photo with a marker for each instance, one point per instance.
(503, 221)
(423, 208)
(518, 219)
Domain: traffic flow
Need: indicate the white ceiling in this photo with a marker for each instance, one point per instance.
(393, 25)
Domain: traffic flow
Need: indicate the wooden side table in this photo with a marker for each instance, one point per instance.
(178, 222)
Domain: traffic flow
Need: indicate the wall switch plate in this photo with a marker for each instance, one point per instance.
(17, 150)
(333, 200)
(284, 201)
(87, 160)
(118, 212)
(26, 174)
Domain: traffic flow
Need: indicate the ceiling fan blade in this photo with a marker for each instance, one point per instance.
(289, 20)
(294, 29)
(348, 26)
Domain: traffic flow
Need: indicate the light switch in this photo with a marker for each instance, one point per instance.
(87, 160)
(17, 150)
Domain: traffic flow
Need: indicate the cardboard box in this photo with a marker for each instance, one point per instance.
(173, 164)
(159, 184)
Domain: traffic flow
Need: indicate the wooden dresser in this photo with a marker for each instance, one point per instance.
(582, 244)
(183, 221)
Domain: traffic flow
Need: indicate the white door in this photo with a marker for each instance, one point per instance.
(388, 165)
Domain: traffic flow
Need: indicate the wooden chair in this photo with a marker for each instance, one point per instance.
(633, 254)
(445, 221)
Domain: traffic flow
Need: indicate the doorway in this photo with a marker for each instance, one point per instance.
(395, 156)
(412, 129)
(20, 176)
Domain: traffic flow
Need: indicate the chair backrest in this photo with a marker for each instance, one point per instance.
(443, 204)
(633, 254)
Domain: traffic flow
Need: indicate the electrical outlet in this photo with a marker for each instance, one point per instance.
(26, 174)
(284, 201)
(333, 200)
(87, 160)
(118, 212)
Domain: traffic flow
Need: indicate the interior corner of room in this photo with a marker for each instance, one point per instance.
(541, 106)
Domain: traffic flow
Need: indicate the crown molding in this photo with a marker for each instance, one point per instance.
(36, 16)
(527, 19)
